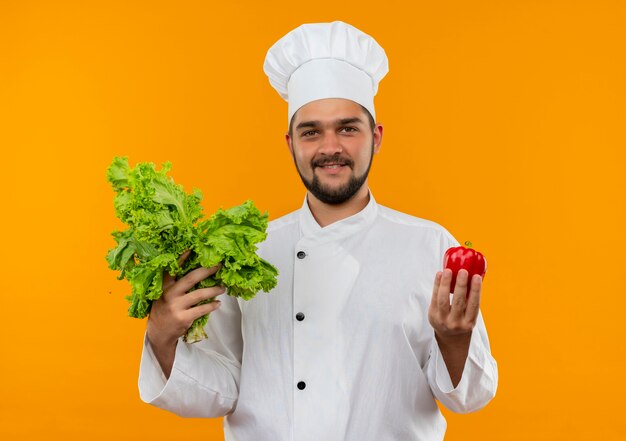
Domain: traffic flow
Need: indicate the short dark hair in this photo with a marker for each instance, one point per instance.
(367, 112)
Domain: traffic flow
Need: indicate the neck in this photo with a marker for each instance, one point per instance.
(326, 214)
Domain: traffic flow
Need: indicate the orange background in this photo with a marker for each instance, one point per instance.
(504, 122)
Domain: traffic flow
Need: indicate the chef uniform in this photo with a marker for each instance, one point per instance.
(341, 349)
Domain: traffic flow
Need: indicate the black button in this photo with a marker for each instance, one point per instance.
(301, 254)
(299, 316)
(301, 385)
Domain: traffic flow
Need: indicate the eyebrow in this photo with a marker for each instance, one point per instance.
(356, 119)
(340, 122)
(308, 124)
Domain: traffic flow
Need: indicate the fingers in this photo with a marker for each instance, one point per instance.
(443, 293)
(174, 312)
(183, 257)
(194, 297)
(168, 279)
(200, 310)
(434, 298)
(458, 317)
(473, 299)
(190, 279)
(459, 303)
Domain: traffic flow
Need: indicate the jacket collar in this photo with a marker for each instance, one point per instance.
(314, 234)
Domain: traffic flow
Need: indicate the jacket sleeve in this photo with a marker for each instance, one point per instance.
(204, 381)
(479, 380)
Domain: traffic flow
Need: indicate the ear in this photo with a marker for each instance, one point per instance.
(378, 137)
(288, 141)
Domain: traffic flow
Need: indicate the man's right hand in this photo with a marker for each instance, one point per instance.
(174, 312)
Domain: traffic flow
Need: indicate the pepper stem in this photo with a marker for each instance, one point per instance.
(468, 244)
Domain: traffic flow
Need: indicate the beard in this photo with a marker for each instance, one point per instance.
(341, 194)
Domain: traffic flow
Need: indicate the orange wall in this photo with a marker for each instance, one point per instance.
(504, 121)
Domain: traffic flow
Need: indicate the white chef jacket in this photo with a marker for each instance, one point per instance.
(340, 350)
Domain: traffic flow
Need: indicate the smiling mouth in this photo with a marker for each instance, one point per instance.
(332, 169)
(332, 166)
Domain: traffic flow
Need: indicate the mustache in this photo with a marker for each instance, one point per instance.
(335, 159)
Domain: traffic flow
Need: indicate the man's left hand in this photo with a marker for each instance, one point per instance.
(454, 321)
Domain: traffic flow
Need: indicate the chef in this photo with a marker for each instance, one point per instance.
(361, 335)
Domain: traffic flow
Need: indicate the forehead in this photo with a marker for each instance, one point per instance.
(328, 110)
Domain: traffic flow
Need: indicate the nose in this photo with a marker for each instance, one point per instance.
(331, 144)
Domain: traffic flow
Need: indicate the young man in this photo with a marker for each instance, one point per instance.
(356, 341)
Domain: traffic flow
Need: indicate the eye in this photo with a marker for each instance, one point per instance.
(308, 133)
(348, 129)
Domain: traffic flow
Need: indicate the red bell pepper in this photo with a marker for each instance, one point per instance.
(469, 259)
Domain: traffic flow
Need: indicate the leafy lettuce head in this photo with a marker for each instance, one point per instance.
(163, 221)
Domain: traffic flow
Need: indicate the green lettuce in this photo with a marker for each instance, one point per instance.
(163, 222)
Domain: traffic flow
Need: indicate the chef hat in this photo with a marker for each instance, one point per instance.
(326, 60)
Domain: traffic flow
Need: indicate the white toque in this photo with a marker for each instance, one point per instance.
(326, 60)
